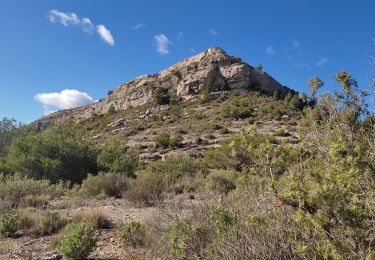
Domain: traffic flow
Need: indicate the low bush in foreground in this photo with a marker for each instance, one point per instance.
(8, 224)
(95, 218)
(77, 241)
(18, 189)
(132, 233)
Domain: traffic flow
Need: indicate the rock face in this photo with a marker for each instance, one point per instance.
(213, 69)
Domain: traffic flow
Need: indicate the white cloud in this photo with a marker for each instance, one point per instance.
(105, 34)
(85, 24)
(192, 50)
(162, 44)
(322, 62)
(137, 26)
(63, 18)
(179, 35)
(65, 99)
(213, 32)
(270, 50)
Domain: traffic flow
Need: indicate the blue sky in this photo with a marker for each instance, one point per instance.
(50, 46)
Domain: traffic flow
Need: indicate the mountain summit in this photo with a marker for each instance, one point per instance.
(213, 71)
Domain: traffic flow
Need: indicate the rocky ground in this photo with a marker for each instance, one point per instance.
(109, 245)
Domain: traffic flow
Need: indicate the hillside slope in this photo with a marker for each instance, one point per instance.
(200, 100)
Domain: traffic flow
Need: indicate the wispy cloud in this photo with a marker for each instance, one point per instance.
(213, 32)
(68, 98)
(270, 50)
(179, 35)
(162, 44)
(322, 62)
(63, 18)
(85, 24)
(193, 50)
(105, 34)
(137, 26)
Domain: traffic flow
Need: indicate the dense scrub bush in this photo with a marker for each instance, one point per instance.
(163, 140)
(94, 218)
(184, 239)
(108, 184)
(9, 130)
(147, 189)
(77, 241)
(237, 107)
(132, 233)
(160, 177)
(50, 223)
(223, 221)
(58, 153)
(221, 181)
(175, 141)
(18, 189)
(220, 158)
(161, 96)
(113, 157)
(8, 224)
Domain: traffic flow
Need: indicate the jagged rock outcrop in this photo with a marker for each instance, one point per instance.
(213, 69)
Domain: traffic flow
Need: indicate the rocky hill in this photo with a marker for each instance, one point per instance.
(186, 80)
(202, 99)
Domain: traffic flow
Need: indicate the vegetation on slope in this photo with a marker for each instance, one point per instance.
(262, 198)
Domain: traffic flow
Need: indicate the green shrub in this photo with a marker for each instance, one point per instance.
(58, 153)
(161, 96)
(147, 189)
(175, 141)
(183, 239)
(132, 233)
(221, 181)
(18, 189)
(94, 218)
(109, 184)
(162, 140)
(224, 222)
(50, 223)
(113, 157)
(9, 223)
(77, 241)
(237, 107)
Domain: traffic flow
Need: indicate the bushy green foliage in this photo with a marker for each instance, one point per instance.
(237, 107)
(160, 177)
(8, 224)
(109, 184)
(132, 233)
(223, 220)
(207, 89)
(163, 140)
(161, 96)
(77, 241)
(332, 188)
(17, 188)
(113, 157)
(175, 141)
(50, 223)
(221, 181)
(147, 189)
(8, 132)
(183, 237)
(59, 153)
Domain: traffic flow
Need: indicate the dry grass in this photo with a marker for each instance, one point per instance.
(95, 218)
